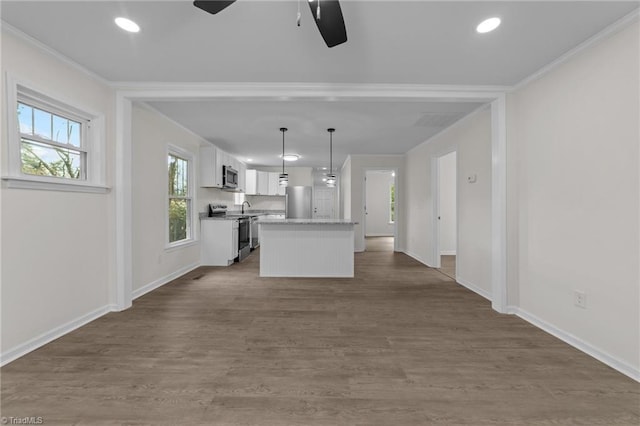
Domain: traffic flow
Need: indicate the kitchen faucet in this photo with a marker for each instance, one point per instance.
(243, 205)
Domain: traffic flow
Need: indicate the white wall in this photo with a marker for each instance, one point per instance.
(345, 190)
(575, 134)
(151, 135)
(447, 203)
(377, 198)
(57, 247)
(471, 138)
(356, 167)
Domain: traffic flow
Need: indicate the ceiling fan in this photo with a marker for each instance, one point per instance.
(326, 13)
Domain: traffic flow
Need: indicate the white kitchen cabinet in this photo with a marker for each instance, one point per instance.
(218, 242)
(262, 183)
(251, 180)
(274, 184)
(242, 177)
(210, 168)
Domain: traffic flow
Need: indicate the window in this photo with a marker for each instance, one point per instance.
(180, 199)
(53, 145)
(392, 203)
(51, 142)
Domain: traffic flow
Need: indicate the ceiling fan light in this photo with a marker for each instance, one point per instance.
(290, 157)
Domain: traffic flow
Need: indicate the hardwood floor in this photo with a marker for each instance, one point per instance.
(400, 344)
(448, 266)
(379, 244)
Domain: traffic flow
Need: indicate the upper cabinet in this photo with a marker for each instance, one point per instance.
(211, 161)
(262, 183)
(210, 167)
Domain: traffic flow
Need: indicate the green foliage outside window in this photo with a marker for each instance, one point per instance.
(392, 199)
(179, 202)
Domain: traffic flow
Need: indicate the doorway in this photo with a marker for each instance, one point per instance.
(447, 240)
(380, 210)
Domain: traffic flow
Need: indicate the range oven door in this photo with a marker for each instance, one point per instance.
(244, 238)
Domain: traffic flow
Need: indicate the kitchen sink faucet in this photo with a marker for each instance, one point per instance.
(249, 205)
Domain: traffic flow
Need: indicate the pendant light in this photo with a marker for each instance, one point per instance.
(283, 179)
(331, 178)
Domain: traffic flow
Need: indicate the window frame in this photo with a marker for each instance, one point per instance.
(92, 144)
(183, 154)
(392, 202)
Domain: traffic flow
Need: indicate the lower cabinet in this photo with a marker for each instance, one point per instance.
(218, 242)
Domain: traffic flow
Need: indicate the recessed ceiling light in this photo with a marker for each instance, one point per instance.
(324, 168)
(127, 25)
(290, 157)
(488, 25)
(249, 160)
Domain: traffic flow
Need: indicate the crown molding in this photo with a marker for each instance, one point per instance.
(5, 27)
(617, 26)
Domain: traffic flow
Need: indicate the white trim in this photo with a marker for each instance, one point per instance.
(191, 239)
(418, 258)
(93, 139)
(129, 92)
(44, 338)
(499, 205)
(50, 51)
(447, 252)
(51, 185)
(474, 288)
(396, 172)
(619, 25)
(602, 356)
(124, 203)
(181, 244)
(164, 280)
(380, 235)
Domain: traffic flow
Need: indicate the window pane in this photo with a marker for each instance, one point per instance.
(44, 160)
(178, 176)
(74, 133)
(60, 129)
(25, 118)
(42, 123)
(178, 214)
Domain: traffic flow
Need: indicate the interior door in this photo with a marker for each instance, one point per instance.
(324, 203)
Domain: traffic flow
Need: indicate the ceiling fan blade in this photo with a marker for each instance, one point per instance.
(212, 6)
(331, 22)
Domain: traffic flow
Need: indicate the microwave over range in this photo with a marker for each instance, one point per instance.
(229, 177)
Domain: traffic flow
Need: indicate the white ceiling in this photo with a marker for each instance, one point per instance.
(389, 42)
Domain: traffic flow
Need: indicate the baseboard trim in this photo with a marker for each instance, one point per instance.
(448, 253)
(602, 356)
(163, 280)
(41, 340)
(416, 257)
(474, 288)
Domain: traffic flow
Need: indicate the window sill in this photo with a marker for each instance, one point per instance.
(180, 245)
(52, 184)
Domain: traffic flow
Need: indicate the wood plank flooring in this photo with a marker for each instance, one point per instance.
(400, 344)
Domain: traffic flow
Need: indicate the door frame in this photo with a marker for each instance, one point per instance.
(435, 190)
(126, 94)
(365, 170)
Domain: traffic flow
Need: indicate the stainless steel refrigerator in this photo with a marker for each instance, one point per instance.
(298, 202)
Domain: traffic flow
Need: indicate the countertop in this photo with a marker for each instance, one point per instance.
(306, 222)
(234, 215)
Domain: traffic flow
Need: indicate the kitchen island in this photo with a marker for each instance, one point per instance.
(306, 247)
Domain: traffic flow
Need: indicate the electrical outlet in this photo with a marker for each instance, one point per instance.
(580, 299)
